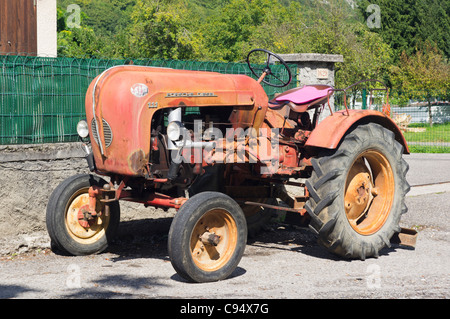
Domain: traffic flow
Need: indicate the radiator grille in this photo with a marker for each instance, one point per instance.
(106, 131)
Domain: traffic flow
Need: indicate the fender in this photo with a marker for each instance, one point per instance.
(332, 129)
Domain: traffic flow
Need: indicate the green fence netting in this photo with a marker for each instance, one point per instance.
(42, 99)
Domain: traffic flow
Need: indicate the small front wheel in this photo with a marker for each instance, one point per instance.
(207, 237)
(72, 234)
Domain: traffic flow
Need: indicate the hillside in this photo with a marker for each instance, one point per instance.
(107, 16)
(225, 30)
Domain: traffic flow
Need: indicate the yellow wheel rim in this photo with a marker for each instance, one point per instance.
(369, 192)
(97, 227)
(220, 227)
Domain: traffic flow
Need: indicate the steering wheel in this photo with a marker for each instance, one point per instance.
(265, 74)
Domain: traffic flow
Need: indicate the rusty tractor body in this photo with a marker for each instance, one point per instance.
(215, 148)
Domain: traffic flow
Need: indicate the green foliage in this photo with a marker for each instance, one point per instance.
(226, 30)
(105, 17)
(406, 25)
(423, 75)
(230, 33)
(336, 30)
(160, 30)
(425, 71)
(76, 41)
(103, 31)
(282, 29)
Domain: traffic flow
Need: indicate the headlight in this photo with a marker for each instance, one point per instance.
(174, 130)
(83, 129)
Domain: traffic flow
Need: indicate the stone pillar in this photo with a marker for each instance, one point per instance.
(315, 68)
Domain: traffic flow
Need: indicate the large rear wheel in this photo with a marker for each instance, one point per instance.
(357, 192)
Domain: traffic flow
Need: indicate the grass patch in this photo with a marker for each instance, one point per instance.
(438, 133)
(428, 149)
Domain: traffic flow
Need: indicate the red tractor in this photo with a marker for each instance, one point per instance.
(215, 148)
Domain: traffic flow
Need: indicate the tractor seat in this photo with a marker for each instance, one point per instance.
(302, 99)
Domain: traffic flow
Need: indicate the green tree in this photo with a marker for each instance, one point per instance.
(103, 31)
(424, 74)
(336, 30)
(162, 29)
(407, 24)
(434, 24)
(78, 41)
(104, 17)
(282, 29)
(229, 31)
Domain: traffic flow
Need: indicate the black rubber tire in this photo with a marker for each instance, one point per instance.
(181, 230)
(57, 206)
(326, 188)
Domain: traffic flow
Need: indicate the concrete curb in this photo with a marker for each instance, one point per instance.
(429, 189)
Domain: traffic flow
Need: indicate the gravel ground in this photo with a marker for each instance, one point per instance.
(283, 262)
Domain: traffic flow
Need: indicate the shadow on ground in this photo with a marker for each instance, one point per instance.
(147, 238)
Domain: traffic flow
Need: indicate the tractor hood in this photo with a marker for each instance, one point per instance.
(121, 101)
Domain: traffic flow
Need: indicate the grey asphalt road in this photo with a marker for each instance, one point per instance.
(428, 168)
(282, 262)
